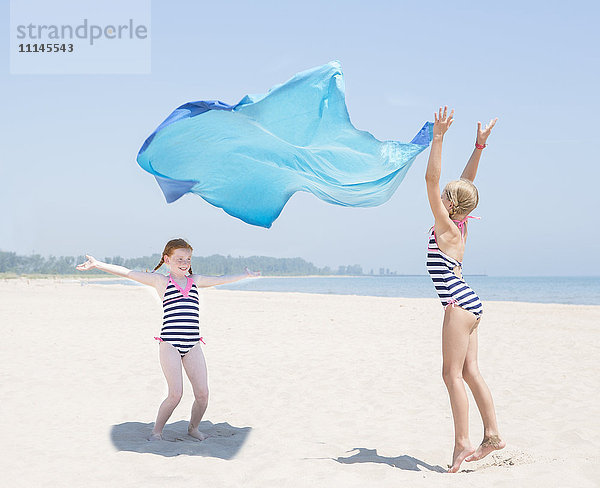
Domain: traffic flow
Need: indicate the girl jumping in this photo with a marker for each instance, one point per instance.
(179, 341)
(462, 306)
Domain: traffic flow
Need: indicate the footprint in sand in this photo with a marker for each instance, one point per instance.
(507, 458)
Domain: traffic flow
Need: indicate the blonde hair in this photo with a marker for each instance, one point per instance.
(170, 247)
(463, 196)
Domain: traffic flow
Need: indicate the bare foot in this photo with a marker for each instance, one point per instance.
(459, 455)
(196, 434)
(155, 437)
(489, 444)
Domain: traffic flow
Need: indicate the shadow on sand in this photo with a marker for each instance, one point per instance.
(408, 463)
(224, 442)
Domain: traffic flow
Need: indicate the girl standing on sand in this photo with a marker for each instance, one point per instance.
(179, 341)
(462, 306)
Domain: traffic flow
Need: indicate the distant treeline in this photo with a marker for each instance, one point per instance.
(214, 265)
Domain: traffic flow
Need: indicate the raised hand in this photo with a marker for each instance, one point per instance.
(91, 263)
(443, 121)
(482, 134)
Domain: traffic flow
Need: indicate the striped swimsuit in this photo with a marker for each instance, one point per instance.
(451, 289)
(181, 316)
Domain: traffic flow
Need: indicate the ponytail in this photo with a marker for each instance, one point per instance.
(462, 195)
(162, 260)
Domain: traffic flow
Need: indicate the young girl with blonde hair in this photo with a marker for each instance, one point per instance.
(463, 309)
(179, 341)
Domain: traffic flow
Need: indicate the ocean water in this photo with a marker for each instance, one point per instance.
(568, 290)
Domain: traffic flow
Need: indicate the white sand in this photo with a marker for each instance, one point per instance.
(306, 391)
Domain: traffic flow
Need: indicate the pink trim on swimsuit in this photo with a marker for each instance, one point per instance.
(438, 248)
(461, 223)
(452, 302)
(188, 285)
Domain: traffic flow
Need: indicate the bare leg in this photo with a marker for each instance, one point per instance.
(485, 403)
(458, 324)
(170, 362)
(195, 368)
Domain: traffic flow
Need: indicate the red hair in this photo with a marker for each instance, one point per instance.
(170, 247)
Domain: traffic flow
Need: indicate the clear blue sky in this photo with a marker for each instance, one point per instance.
(70, 182)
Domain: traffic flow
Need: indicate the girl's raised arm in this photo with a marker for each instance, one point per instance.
(442, 123)
(470, 170)
(151, 279)
(206, 281)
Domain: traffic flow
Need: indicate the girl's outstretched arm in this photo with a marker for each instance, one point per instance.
(206, 281)
(151, 279)
(470, 170)
(434, 169)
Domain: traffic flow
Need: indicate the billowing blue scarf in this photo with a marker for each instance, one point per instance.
(250, 158)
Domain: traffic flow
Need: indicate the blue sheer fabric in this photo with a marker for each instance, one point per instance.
(250, 158)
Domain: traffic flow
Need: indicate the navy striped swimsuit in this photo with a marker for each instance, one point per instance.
(181, 316)
(451, 289)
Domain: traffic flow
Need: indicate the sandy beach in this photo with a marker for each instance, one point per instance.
(305, 391)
